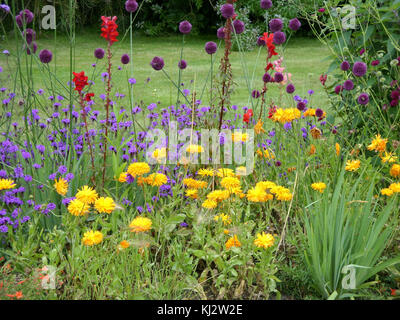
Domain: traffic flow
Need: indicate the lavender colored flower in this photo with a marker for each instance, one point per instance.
(221, 33)
(131, 5)
(279, 37)
(227, 10)
(125, 59)
(30, 35)
(265, 4)
(348, 85)
(345, 65)
(363, 98)
(25, 16)
(294, 24)
(157, 63)
(359, 69)
(185, 27)
(99, 53)
(5, 7)
(238, 25)
(255, 94)
(132, 81)
(182, 64)
(290, 88)
(45, 56)
(211, 47)
(275, 25)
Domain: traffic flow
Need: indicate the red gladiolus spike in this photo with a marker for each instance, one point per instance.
(80, 81)
(89, 96)
(109, 29)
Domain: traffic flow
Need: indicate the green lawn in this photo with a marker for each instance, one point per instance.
(303, 59)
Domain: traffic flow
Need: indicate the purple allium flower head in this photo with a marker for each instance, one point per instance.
(319, 113)
(301, 105)
(227, 10)
(338, 89)
(221, 33)
(260, 42)
(157, 63)
(294, 24)
(182, 64)
(348, 85)
(290, 88)
(279, 37)
(211, 47)
(131, 5)
(278, 163)
(363, 98)
(359, 69)
(45, 56)
(278, 77)
(267, 77)
(238, 25)
(345, 65)
(275, 25)
(25, 16)
(125, 59)
(30, 35)
(265, 4)
(255, 94)
(99, 53)
(185, 27)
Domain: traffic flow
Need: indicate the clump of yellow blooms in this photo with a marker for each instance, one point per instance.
(311, 113)
(138, 169)
(209, 204)
(378, 144)
(159, 154)
(258, 195)
(218, 195)
(388, 157)
(194, 148)
(281, 193)
(387, 192)
(239, 137)
(395, 187)
(194, 184)
(266, 153)
(337, 148)
(123, 245)
(156, 179)
(225, 172)
(352, 165)
(123, 177)
(319, 186)
(224, 218)
(192, 193)
(395, 171)
(105, 205)
(230, 183)
(91, 238)
(7, 184)
(140, 224)
(87, 195)
(206, 172)
(78, 208)
(264, 240)
(232, 242)
(286, 115)
(61, 186)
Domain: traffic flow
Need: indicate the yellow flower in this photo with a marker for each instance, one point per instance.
(264, 240)
(337, 147)
(78, 208)
(7, 184)
(104, 205)
(209, 204)
(192, 193)
(268, 154)
(123, 177)
(157, 179)
(194, 184)
(352, 165)
(258, 128)
(309, 112)
(258, 195)
(225, 172)
(194, 148)
(387, 192)
(140, 224)
(239, 137)
(395, 187)
(388, 157)
(206, 172)
(281, 193)
(218, 195)
(395, 170)
(226, 220)
(378, 144)
(138, 169)
(230, 183)
(123, 245)
(319, 186)
(226, 231)
(61, 186)
(87, 195)
(286, 115)
(312, 150)
(91, 238)
(264, 185)
(232, 242)
(159, 154)
(241, 171)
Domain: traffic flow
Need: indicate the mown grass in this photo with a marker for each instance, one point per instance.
(303, 59)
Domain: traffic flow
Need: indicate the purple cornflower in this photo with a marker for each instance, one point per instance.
(5, 7)
(62, 169)
(132, 80)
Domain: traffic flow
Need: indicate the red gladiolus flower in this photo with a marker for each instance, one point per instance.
(271, 112)
(247, 115)
(269, 66)
(109, 30)
(80, 81)
(323, 78)
(89, 96)
(268, 39)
